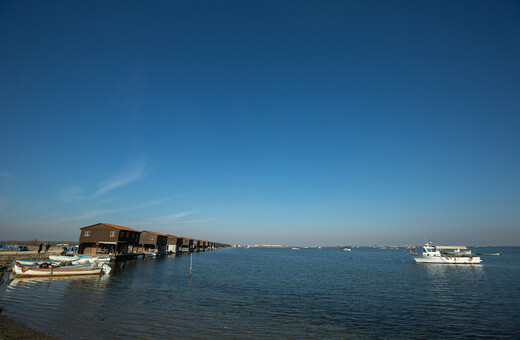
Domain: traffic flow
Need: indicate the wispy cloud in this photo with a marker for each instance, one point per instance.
(131, 174)
(4, 175)
(197, 221)
(175, 217)
(3, 203)
(71, 194)
(318, 205)
(95, 213)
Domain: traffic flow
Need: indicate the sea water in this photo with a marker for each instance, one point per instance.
(278, 294)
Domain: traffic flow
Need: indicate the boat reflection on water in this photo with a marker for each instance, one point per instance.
(16, 281)
(450, 270)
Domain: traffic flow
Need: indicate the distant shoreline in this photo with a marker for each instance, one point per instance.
(7, 257)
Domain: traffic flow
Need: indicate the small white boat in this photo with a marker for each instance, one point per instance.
(489, 254)
(295, 248)
(347, 248)
(455, 255)
(50, 262)
(81, 258)
(92, 259)
(63, 258)
(30, 271)
(456, 252)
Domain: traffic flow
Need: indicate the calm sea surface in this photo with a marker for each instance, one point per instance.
(278, 294)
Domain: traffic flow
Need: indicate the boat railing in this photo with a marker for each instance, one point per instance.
(411, 249)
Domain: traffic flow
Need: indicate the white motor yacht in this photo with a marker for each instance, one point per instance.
(445, 254)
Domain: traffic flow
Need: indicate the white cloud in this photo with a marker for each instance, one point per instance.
(132, 174)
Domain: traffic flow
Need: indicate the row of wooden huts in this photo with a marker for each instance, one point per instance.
(105, 238)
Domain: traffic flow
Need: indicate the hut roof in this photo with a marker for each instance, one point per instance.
(153, 232)
(120, 227)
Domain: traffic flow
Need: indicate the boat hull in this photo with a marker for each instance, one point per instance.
(26, 271)
(426, 259)
(95, 258)
(63, 258)
(38, 262)
(461, 260)
(446, 259)
(81, 258)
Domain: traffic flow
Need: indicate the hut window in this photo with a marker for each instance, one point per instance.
(152, 238)
(112, 234)
(87, 233)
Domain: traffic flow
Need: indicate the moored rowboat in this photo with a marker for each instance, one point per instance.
(31, 271)
(50, 262)
(81, 258)
(95, 258)
(63, 258)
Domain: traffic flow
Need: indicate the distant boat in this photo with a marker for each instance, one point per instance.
(34, 271)
(455, 255)
(347, 248)
(489, 254)
(295, 248)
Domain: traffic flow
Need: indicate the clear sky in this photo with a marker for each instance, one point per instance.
(262, 122)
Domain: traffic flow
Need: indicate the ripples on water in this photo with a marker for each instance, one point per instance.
(278, 293)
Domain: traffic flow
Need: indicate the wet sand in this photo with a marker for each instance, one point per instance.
(10, 329)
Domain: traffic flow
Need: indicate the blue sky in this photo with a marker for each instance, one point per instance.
(262, 122)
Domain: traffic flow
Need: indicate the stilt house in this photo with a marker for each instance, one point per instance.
(105, 238)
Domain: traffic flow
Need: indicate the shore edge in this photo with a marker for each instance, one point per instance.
(11, 329)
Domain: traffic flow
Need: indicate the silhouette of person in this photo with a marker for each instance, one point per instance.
(47, 246)
(40, 248)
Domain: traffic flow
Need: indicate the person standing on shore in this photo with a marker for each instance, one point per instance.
(40, 248)
(47, 246)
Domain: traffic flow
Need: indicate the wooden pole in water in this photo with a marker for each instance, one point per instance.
(191, 262)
